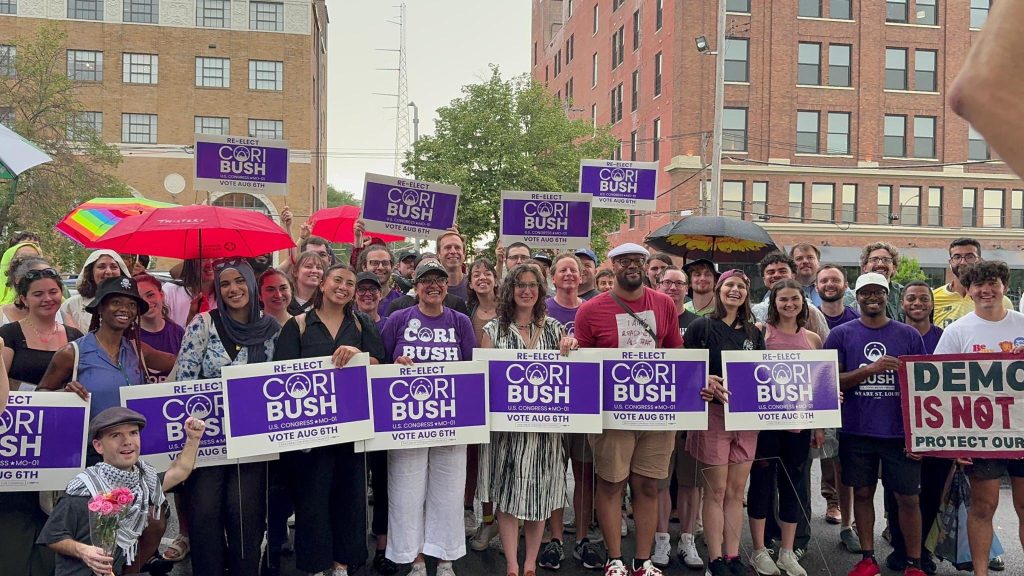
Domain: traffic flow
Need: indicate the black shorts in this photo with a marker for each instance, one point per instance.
(860, 457)
(995, 468)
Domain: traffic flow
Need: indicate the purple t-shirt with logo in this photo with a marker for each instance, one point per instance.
(873, 407)
(167, 340)
(847, 315)
(382, 308)
(565, 316)
(445, 338)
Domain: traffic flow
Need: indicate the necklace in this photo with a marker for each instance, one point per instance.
(44, 339)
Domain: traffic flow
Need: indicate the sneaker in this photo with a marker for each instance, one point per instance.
(866, 567)
(928, 564)
(799, 553)
(569, 527)
(594, 534)
(736, 567)
(997, 564)
(763, 563)
(850, 540)
(718, 567)
(790, 564)
(615, 568)
(484, 534)
(913, 571)
(418, 569)
(445, 569)
(551, 556)
(687, 552)
(588, 555)
(469, 521)
(338, 571)
(833, 515)
(383, 566)
(896, 560)
(662, 550)
(648, 568)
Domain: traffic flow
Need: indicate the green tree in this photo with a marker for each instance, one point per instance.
(337, 197)
(509, 135)
(47, 112)
(908, 271)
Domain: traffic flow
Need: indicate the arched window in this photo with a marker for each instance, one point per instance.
(242, 200)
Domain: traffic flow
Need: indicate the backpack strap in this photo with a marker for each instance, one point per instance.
(74, 369)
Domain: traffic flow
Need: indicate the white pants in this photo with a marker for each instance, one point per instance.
(426, 487)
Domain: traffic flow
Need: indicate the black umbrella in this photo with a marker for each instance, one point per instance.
(717, 238)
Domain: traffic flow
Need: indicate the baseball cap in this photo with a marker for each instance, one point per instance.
(587, 253)
(114, 416)
(367, 277)
(422, 257)
(628, 248)
(430, 268)
(542, 257)
(407, 253)
(871, 279)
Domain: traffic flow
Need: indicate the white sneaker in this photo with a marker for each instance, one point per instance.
(615, 568)
(662, 550)
(339, 571)
(469, 521)
(648, 569)
(484, 534)
(445, 569)
(418, 569)
(789, 563)
(763, 563)
(687, 552)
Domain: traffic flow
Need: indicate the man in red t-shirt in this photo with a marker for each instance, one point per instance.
(620, 455)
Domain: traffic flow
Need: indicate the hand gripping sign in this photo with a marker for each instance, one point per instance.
(295, 404)
(42, 441)
(621, 185)
(408, 207)
(546, 219)
(654, 389)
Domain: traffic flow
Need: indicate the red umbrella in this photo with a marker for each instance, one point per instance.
(336, 225)
(197, 231)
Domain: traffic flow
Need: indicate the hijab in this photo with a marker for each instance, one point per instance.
(8, 293)
(254, 333)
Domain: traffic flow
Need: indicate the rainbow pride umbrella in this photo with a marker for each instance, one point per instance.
(90, 220)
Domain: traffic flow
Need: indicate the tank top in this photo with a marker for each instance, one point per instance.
(778, 340)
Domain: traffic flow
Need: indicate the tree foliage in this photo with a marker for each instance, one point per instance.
(509, 135)
(908, 271)
(48, 113)
(337, 197)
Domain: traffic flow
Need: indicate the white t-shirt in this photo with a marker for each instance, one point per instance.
(972, 334)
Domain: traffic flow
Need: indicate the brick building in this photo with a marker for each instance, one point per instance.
(836, 126)
(152, 73)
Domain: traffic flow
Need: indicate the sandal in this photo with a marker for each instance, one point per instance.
(180, 548)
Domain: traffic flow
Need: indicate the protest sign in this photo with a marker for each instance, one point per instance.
(781, 389)
(964, 405)
(408, 207)
(654, 389)
(543, 391)
(618, 184)
(545, 219)
(295, 404)
(42, 441)
(234, 164)
(426, 405)
(166, 406)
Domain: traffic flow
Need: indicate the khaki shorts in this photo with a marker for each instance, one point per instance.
(577, 448)
(619, 452)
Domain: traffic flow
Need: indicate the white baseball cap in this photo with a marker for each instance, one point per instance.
(871, 279)
(628, 248)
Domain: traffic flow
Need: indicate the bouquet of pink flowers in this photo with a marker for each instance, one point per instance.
(105, 513)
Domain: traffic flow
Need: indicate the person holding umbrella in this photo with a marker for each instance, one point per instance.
(99, 266)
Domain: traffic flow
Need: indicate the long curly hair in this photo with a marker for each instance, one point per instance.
(506, 309)
(474, 299)
(744, 316)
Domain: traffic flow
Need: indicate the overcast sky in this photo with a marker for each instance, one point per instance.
(449, 44)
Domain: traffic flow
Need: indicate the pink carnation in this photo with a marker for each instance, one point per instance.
(107, 508)
(95, 504)
(123, 497)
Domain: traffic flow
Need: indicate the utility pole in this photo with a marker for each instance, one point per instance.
(715, 191)
(401, 94)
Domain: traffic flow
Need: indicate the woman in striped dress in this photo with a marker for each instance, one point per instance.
(527, 470)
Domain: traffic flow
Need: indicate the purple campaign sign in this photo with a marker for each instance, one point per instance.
(654, 390)
(535, 394)
(407, 207)
(546, 220)
(42, 441)
(622, 185)
(232, 164)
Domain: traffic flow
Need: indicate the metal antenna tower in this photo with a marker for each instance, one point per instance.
(401, 95)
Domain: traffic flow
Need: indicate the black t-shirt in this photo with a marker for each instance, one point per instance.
(70, 521)
(715, 336)
(589, 294)
(29, 364)
(402, 302)
(316, 341)
(685, 319)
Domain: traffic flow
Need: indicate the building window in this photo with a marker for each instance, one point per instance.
(86, 9)
(635, 91)
(849, 203)
(636, 30)
(796, 202)
(616, 4)
(1016, 209)
(838, 139)
(85, 65)
(979, 12)
(558, 63)
(924, 70)
(596, 17)
(243, 201)
(736, 60)
(732, 198)
(809, 9)
(738, 6)
(266, 16)
(212, 125)
(138, 128)
(884, 204)
(969, 212)
(570, 48)
(139, 68)
(807, 130)
(895, 136)
(895, 68)
(657, 74)
(839, 65)
(659, 14)
(568, 90)
(759, 199)
(924, 137)
(11, 6)
(266, 129)
(977, 147)
(840, 10)
(808, 64)
(935, 206)
(910, 206)
(927, 13)
(617, 151)
(656, 141)
(213, 13)
(896, 11)
(7, 56)
(568, 9)
(213, 72)
(266, 75)
(593, 70)
(734, 129)
(618, 47)
(992, 212)
(616, 104)
(92, 121)
(822, 202)
(634, 218)
(142, 11)
(632, 145)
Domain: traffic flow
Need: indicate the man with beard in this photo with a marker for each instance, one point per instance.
(830, 284)
(703, 275)
(777, 266)
(588, 269)
(951, 300)
(377, 259)
(808, 260)
(882, 258)
(630, 315)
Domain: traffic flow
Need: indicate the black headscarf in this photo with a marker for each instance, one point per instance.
(254, 333)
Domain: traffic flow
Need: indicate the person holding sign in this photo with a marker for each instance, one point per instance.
(869, 349)
(991, 327)
(527, 469)
(483, 307)
(725, 456)
(426, 485)
(329, 483)
(630, 315)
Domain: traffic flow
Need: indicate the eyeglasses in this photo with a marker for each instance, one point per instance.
(225, 263)
(527, 285)
(378, 263)
(872, 294)
(365, 289)
(626, 262)
(671, 283)
(433, 281)
(518, 258)
(880, 260)
(964, 258)
(33, 275)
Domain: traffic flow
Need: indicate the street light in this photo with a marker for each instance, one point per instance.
(702, 44)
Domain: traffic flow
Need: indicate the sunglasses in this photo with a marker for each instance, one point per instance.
(225, 263)
(33, 275)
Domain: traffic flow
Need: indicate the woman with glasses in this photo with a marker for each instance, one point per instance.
(227, 504)
(426, 485)
(329, 483)
(306, 276)
(369, 297)
(99, 266)
(725, 456)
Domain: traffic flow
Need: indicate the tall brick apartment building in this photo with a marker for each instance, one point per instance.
(836, 126)
(152, 73)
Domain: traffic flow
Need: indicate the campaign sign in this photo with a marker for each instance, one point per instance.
(426, 405)
(42, 440)
(166, 406)
(235, 164)
(546, 219)
(408, 207)
(618, 184)
(543, 391)
(964, 405)
(295, 404)
(654, 389)
(781, 389)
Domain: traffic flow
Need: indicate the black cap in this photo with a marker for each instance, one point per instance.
(407, 253)
(714, 267)
(367, 277)
(118, 286)
(542, 257)
(423, 257)
(430, 268)
(114, 416)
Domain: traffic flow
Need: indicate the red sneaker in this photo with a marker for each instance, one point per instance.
(866, 567)
(914, 571)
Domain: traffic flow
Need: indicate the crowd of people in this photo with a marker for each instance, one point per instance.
(126, 327)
